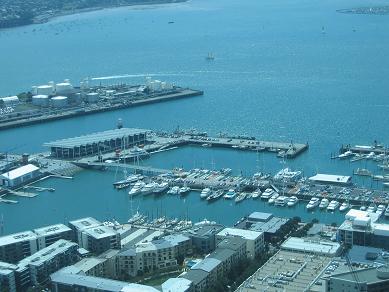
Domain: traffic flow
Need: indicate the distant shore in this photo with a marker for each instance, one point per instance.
(46, 16)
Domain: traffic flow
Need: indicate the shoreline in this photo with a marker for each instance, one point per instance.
(46, 17)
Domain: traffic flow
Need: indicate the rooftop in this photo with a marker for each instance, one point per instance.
(368, 275)
(205, 230)
(208, 264)
(260, 216)
(87, 264)
(271, 226)
(17, 237)
(53, 229)
(330, 178)
(85, 223)
(222, 254)
(176, 285)
(18, 172)
(153, 245)
(100, 232)
(195, 276)
(176, 239)
(95, 138)
(246, 234)
(328, 248)
(232, 243)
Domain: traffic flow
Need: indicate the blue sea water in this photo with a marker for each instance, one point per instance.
(275, 76)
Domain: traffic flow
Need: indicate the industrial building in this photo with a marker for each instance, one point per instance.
(7, 277)
(97, 143)
(19, 175)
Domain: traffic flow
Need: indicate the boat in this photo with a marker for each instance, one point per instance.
(345, 206)
(174, 190)
(372, 208)
(363, 208)
(313, 203)
(230, 194)
(287, 175)
(148, 188)
(137, 188)
(387, 211)
(363, 172)
(184, 190)
(324, 203)
(346, 154)
(281, 201)
(240, 197)
(380, 210)
(214, 196)
(205, 193)
(293, 200)
(122, 186)
(385, 184)
(273, 198)
(371, 155)
(161, 187)
(210, 57)
(267, 194)
(128, 180)
(256, 194)
(136, 217)
(333, 205)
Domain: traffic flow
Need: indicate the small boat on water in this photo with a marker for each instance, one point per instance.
(293, 200)
(184, 190)
(281, 201)
(241, 196)
(333, 205)
(215, 195)
(313, 203)
(161, 187)
(267, 194)
(136, 217)
(346, 155)
(149, 188)
(205, 193)
(128, 180)
(230, 194)
(273, 198)
(345, 206)
(137, 188)
(174, 190)
(324, 203)
(256, 194)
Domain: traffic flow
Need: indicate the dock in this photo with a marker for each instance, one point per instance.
(22, 194)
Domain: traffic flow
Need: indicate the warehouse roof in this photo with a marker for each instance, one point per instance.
(207, 264)
(315, 246)
(330, 178)
(176, 285)
(95, 138)
(18, 172)
(246, 234)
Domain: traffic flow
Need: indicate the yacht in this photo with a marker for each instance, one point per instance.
(160, 188)
(267, 194)
(345, 154)
(313, 203)
(380, 210)
(128, 180)
(324, 203)
(273, 198)
(148, 188)
(345, 206)
(174, 190)
(137, 188)
(293, 200)
(372, 208)
(230, 194)
(287, 175)
(214, 196)
(256, 194)
(205, 193)
(281, 201)
(240, 197)
(184, 190)
(387, 211)
(333, 205)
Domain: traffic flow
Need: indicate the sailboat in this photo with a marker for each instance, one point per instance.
(210, 57)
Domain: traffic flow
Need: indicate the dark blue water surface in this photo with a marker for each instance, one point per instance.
(283, 70)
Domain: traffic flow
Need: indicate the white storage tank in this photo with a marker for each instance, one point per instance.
(10, 100)
(59, 101)
(45, 90)
(40, 100)
(63, 88)
(92, 97)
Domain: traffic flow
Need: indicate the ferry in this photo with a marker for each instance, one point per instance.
(267, 194)
(273, 198)
(256, 194)
(205, 193)
(230, 194)
(313, 203)
(333, 205)
(281, 201)
(240, 197)
(324, 203)
(345, 206)
(293, 200)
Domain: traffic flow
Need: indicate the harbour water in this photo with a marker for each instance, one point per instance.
(283, 70)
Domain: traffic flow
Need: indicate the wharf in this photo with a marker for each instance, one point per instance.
(361, 149)
(95, 108)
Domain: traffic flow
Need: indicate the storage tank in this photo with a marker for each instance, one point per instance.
(148, 80)
(10, 100)
(63, 88)
(40, 100)
(45, 90)
(34, 90)
(163, 85)
(59, 101)
(92, 97)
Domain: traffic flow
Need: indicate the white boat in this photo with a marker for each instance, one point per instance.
(230, 194)
(205, 193)
(324, 203)
(371, 155)
(136, 217)
(387, 211)
(241, 196)
(129, 179)
(293, 200)
(267, 194)
(148, 188)
(345, 155)
(160, 188)
(184, 190)
(345, 206)
(380, 210)
(256, 194)
(137, 188)
(372, 208)
(286, 175)
(273, 198)
(313, 203)
(386, 185)
(281, 201)
(174, 190)
(333, 205)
